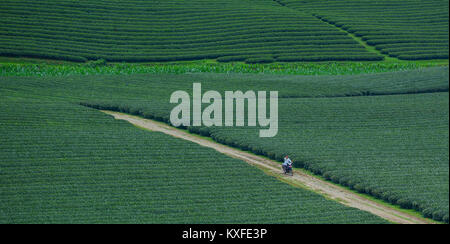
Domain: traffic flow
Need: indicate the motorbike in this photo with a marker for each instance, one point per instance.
(287, 169)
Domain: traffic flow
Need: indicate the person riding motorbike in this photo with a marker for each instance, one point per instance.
(287, 163)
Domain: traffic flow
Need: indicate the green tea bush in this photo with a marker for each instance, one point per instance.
(231, 58)
(260, 60)
(96, 63)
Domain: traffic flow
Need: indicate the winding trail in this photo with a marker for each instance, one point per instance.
(299, 178)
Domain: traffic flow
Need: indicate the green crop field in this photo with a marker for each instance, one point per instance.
(236, 30)
(362, 103)
(405, 29)
(393, 146)
(64, 163)
(169, 30)
(39, 67)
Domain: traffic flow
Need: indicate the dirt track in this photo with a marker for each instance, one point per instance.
(327, 189)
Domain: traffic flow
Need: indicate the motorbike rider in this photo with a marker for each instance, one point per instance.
(287, 162)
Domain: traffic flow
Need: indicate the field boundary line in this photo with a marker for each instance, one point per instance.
(315, 184)
(369, 48)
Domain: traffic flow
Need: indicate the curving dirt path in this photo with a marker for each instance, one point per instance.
(299, 178)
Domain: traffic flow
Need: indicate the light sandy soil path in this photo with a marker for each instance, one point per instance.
(299, 178)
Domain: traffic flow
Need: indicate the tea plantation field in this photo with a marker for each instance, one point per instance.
(363, 102)
(136, 31)
(392, 147)
(381, 134)
(405, 29)
(254, 31)
(64, 163)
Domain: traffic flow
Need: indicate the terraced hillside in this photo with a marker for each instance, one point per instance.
(406, 29)
(133, 30)
(233, 30)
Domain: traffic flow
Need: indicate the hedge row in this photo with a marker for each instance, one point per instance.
(393, 23)
(164, 31)
(260, 60)
(330, 58)
(43, 55)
